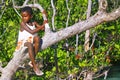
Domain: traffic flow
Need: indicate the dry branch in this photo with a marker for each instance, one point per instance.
(87, 34)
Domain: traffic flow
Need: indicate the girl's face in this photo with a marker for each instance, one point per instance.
(26, 17)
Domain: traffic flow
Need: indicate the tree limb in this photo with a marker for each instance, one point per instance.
(79, 27)
(13, 65)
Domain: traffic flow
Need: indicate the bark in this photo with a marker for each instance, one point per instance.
(87, 34)
(88, 76)
(18, 58)
(51, 38)
(77, 28)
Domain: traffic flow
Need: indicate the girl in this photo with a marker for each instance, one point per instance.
(28, 36)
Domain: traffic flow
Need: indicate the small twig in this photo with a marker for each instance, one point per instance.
(81, 74)
(25, 3)
(104, 73)
(54, 12)
(77, 40)
(22, 66)
(109, 49)
(2, 13)
(70, 77)
(93, 40)
(17, 12)
(68, 13)
(68, 16)
(15, 8)
(87, 34)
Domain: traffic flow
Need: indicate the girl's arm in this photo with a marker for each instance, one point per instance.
(42, 26)
(24, 27)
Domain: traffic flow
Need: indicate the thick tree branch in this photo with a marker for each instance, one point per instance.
(113, 15)
(79, 27)
(13, 65)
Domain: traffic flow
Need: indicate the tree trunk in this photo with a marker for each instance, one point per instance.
(13, 65)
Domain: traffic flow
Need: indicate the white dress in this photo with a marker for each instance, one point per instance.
(25, 36)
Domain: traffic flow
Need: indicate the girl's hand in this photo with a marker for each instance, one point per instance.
(34, 23)
(45, 21)
(41, 27)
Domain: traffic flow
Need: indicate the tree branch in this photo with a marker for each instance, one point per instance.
(13, 65)
(102, 5)
(54, 12)
(79, 27)
(113, 15)
(25, 3)
(93, 40)
(68, 13)
(87, 34)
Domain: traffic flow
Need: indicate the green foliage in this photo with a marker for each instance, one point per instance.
(57, 59)
(113, 4)
(9, 27)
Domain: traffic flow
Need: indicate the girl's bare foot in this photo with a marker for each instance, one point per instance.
(30, 64)
(38, 72)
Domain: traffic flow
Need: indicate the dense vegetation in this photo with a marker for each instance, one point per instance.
(59, 59)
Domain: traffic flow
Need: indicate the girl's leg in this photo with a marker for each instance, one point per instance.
(32, 57)
(36, 44)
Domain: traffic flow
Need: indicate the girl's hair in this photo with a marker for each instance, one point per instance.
(27, 9)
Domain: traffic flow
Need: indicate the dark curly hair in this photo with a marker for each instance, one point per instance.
(28, 9)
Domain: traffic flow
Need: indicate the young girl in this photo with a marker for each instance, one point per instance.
(28, 36)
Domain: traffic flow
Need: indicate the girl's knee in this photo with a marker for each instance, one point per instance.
(36, 38)
(28, 44)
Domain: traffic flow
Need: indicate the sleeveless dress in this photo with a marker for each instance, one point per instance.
(25, 36)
